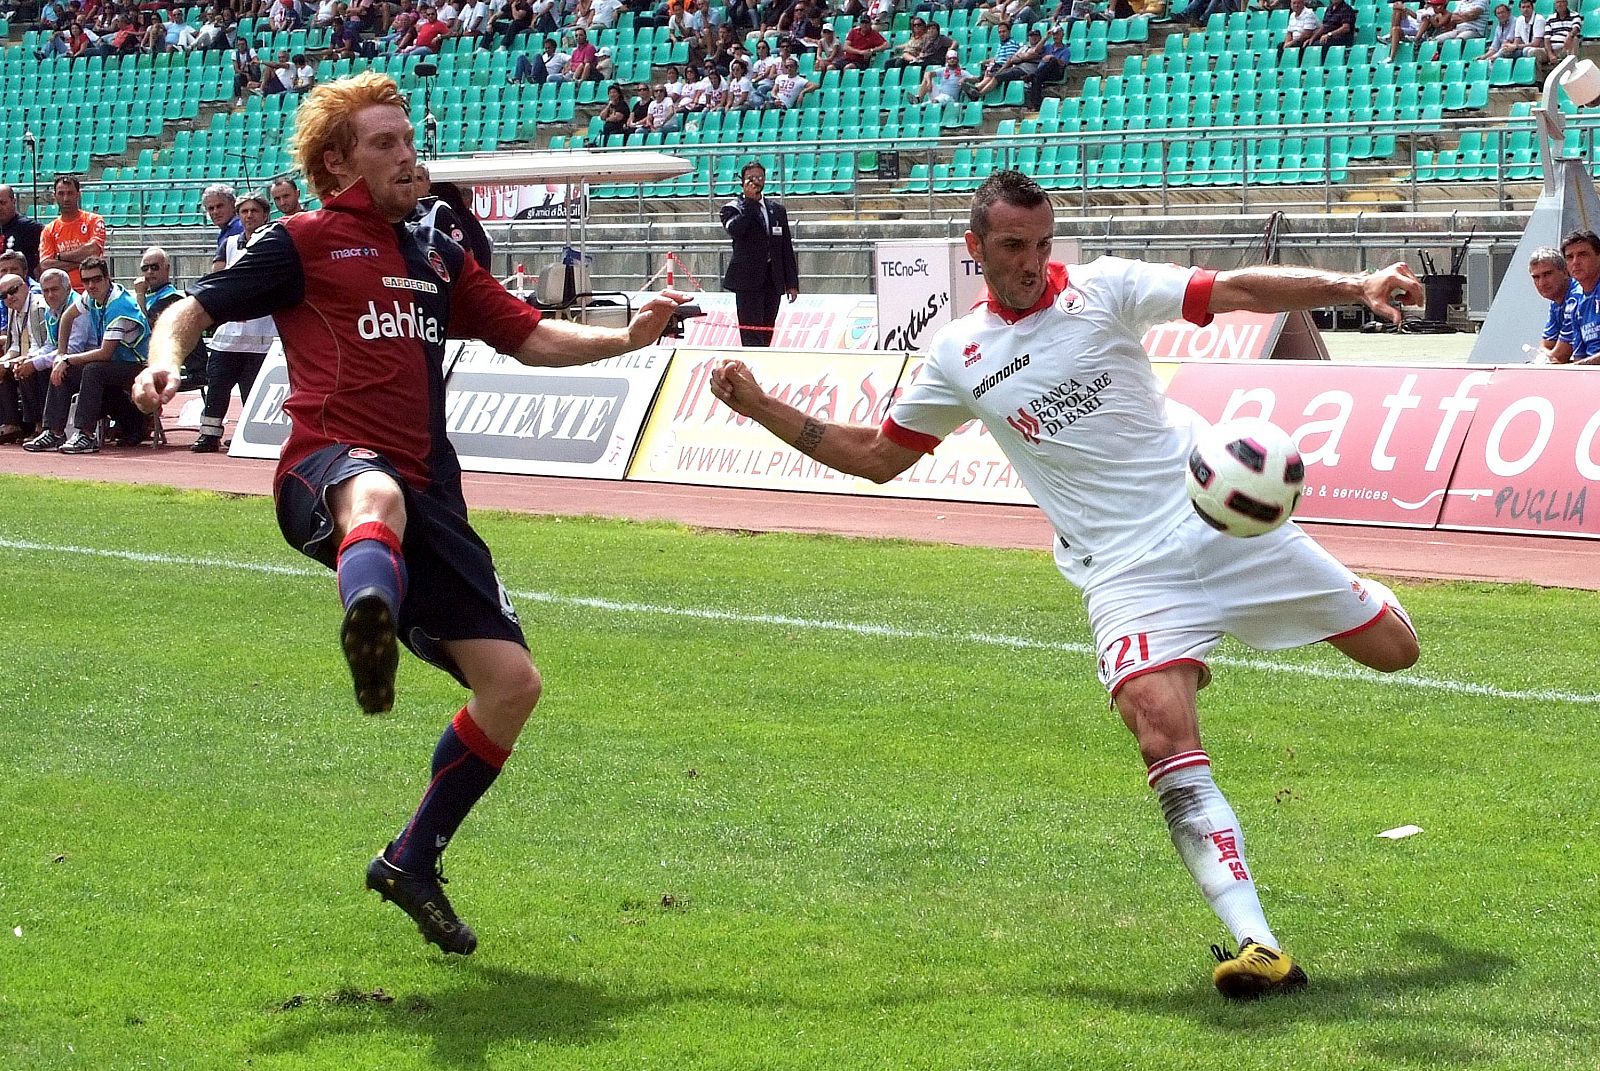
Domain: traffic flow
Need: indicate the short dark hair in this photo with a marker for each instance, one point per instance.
(94, 262)
(757, 164)
(69, 178)
(1575, 237)
(1008, 187)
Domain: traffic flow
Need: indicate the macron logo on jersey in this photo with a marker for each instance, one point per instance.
(398, 321)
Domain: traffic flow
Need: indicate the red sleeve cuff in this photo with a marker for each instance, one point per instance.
(911, 440)
(1197, 297)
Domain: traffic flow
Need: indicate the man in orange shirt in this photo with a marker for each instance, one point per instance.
(73, 236)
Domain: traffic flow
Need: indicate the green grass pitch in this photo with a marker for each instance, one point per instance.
(789, 802)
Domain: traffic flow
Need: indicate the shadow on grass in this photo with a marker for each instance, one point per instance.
(482, 1008)
(1365, 996)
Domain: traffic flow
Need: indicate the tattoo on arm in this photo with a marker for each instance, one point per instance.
(810, 437)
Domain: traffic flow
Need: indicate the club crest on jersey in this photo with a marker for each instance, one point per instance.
(1072, 301)
(971, 355)
(436, 262)
(1026, 425)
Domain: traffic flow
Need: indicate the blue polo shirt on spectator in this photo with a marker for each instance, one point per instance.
(1558, 317)
(1582, 329)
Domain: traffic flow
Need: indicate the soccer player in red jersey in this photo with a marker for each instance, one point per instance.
(365, 294)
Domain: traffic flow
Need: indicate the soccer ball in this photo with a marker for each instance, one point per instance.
(1245, 476)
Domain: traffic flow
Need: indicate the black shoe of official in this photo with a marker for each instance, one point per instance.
(370, 647)
(80, 443)
(206, 444)
(422, 897)
(46, 440)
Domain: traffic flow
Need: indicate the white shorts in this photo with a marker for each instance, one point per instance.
(1272, 592)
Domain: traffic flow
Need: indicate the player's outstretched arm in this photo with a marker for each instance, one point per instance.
(1278, 289)
(850, 448)
(562, 343)
(175, 336)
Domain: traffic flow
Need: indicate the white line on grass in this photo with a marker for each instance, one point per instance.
(858, 628)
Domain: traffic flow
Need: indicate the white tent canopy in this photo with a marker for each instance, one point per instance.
(573, 168)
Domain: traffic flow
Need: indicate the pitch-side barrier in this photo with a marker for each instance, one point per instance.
(1505, 449)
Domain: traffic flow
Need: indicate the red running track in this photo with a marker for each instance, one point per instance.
(1546, 561)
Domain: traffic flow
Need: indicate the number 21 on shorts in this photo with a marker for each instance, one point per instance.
(1123, 653)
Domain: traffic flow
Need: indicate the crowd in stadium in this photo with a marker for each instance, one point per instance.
(76, 338)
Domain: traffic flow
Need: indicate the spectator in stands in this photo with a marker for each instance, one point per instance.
(606, 12)
(684, 23)
(829, 53)
(1501, 31)
(765, 68)
(246, 70)
(74, 235)
(549, 66)
(1303, 26)
(1051, 70)
(401, 30)
(741, 15)
(911, 48)
(582, 17)
(1004, 50)
(17, 231)
(473, 20)
(1526, 36)
(1338, 26)
(152, 34)
(346, 42)
(675, 84)
(1469, 21)
(585, 65)
(304, 74)
(213, 36)
(285, 17)
(29, 352)
(237, 348)
(863, 43)
(218, 203)
(1579, 342)
(790, 88)
(124, 39)
(428, 36)
(1004, 67)
(327, 11)
(882, 13)
(743, 95)
(277, 76)
(661, 114)
(100, 375)
(1405, 26)
(614, 113)
(942, 85)
(519, 18)
(1548, 269)
(177, 36)
(1563, 33)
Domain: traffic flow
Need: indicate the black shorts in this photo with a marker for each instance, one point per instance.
(452, 592)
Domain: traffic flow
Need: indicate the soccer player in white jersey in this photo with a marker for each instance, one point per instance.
(1052, 364)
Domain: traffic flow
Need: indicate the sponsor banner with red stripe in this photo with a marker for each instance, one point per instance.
(1379, 441)
(1531, 462)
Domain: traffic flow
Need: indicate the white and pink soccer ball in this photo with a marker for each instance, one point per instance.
(1245, 476)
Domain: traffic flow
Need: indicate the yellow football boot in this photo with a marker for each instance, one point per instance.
(1255, 972)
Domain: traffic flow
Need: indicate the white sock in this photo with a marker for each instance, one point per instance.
(1209, 841)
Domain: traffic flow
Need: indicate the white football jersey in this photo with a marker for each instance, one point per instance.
(1069, 395)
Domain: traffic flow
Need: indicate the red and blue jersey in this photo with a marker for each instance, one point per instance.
(363, 307)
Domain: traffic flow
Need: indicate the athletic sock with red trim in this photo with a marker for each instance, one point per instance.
(370, 558)
(465, 764)
(1209, 841)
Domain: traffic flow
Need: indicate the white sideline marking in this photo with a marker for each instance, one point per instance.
(857, 628)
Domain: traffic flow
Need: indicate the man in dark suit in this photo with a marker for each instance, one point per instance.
(763, 267)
